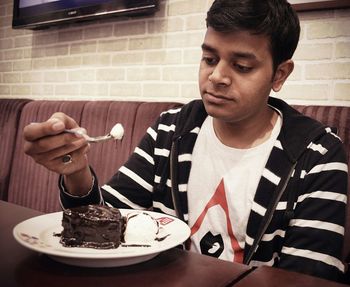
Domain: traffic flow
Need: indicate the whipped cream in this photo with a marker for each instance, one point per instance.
(140, 228)
(117, 132)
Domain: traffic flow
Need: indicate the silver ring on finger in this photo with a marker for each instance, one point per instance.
(67, 159)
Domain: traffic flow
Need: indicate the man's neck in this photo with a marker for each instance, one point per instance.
(246, 134)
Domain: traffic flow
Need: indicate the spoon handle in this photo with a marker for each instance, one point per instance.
(89, 138)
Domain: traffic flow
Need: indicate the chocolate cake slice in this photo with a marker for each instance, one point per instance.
(94, 226)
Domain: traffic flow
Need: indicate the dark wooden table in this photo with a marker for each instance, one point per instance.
(265, 276)
(22, 267)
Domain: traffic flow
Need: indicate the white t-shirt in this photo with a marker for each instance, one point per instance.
(221, 189)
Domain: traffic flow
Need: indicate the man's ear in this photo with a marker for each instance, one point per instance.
(282, 73)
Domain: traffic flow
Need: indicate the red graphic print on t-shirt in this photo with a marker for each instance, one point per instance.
(219, 199)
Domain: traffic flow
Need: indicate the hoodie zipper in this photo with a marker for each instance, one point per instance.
(268, 217)
(173, 179)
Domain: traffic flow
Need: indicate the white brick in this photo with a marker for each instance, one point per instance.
(43, 91)
(314, 51)
(13, 54)
(157, 26)
(186, 7)
(45, 38)
(11, 33)
(190, 91)
(70, 35)
(6, 21)
(192, 56)
(67, 90)
(43, 64)
(34, 52)
(32, 77)
(342, 50)
(22, 90)
(160, 90)
(83, 47)
(328, 71)
(143, 74)
(317, 91)
(97, 60)
(112, 45)
(328, 29)
(129, 29)
(125, 90)
(163, 57)
(180, 74)
(69, 62)
(55, 76)
(5, 90)
(342, 91)
(22, 65)
(98, 32)
(121, 59)
(59, 50)
(2, 11)
(94, 90)
(145, 43)
(5, 67)
(195, 22)
(6, 43)
(82, 75)
(110, 74)
(177, 40)
(11, 78)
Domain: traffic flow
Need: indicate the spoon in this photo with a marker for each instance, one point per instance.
(116, 133)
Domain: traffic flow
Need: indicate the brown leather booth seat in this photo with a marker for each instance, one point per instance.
(10, 111)
(26, 183)
(33, 186)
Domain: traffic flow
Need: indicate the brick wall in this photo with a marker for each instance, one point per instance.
(156, 57)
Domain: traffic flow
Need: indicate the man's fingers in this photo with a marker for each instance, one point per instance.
(36, 131)
(54, 125)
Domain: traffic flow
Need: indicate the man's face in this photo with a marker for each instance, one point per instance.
(235, 75)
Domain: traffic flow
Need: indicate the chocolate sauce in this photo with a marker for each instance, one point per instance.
(93, 226)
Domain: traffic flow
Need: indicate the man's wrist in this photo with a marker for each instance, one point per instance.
(79, 183)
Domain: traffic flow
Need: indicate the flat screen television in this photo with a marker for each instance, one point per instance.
(36, 14)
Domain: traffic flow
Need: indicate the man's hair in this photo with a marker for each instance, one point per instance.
(275, 19)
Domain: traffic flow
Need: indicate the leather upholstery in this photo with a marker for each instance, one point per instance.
(33, 186)
(10, 111)
(26, 183)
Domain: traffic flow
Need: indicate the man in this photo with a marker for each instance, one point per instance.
(257, 182)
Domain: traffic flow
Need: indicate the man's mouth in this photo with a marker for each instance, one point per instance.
(215, 98)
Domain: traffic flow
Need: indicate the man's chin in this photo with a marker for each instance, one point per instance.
(215, 111)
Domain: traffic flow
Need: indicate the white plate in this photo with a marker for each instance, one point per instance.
(38, 234)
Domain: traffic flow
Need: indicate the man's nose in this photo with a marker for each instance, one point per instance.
(220, 75)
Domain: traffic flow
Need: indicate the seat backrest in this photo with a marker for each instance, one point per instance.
(37, 187)
(10, 112)
(338, 117)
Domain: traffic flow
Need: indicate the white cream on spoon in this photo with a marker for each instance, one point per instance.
(117, 131)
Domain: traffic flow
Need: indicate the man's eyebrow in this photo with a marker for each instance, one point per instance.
(208, 48)
(245, 55)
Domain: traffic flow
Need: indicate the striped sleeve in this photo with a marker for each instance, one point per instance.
(313, 241)
(133, 186)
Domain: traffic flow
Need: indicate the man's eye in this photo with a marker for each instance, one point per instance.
(209, 61)
(243, 69)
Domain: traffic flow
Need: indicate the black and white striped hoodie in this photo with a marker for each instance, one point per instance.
(297, 217)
